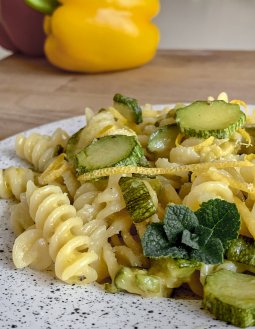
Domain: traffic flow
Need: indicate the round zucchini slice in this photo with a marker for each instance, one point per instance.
(203, 119)
(109, 151)
(162, 140)
(230, 297)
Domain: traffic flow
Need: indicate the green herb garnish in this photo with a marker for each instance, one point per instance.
(202, 236)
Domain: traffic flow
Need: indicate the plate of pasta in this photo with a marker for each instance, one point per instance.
(131, 217)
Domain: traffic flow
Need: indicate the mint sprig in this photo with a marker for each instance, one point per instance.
(202, 236)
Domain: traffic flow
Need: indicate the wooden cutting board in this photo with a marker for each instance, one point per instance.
(32, 92)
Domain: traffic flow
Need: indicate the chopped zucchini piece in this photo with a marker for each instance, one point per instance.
(242, 250)
(230, 296)
(128, 107)
(138, 281)
(110, 287)
(72, 145)
(173, 272)
(204, 119)
(155, 183)
(109, 151)
(140, 198)
(162, 140)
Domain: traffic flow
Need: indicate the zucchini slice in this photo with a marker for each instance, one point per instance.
(242, 250)
(162, 140)
(140, 198)
(109, 151)
(138, 281)
(230, 296)
(128, 107)
(72, 145)
(203, 119)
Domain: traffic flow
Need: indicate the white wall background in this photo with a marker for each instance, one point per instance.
(205, 24)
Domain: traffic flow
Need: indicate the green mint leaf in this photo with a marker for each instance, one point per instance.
(211, 253)
(190, 239)
(204, 234)
(154, 240)
(201, 236)
(222, 217)
(177, 219)
(156, 244)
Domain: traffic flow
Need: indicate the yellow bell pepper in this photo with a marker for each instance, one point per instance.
(101, 35)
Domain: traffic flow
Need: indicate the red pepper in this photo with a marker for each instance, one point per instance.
(21, 28)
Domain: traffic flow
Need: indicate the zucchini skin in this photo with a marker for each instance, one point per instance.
(71, 145)
(131, 106)
(138, 200)
(139, 281)
(242, 250)
(220, 133)
(135, 157)
(230, 297)
(238, 316)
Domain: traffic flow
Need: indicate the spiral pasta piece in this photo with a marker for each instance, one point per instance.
(73, 265)
(126, 245)
(108, 225)
(196, 150)
(111, 198)
(114, 244)
(92, 203)
(13, 181)
(57, 225)
(20, 218)
(71, 182)
(39, 149)
(84, 201)
(30, 249)
(206, 191)
(97, 125)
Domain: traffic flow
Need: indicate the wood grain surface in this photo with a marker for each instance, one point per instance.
(32, 92)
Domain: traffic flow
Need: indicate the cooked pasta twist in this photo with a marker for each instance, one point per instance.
(207, 190)
(84, 201)
(114, 245)
(126, 244)
(13, 181)
(195, 150)
(92, 203)
(55, 222)
(20, 218)
(61, 173)
(109, 227)
(31, 249)
(95, 204)
(39, 149)
(111, 199)
(96, 126)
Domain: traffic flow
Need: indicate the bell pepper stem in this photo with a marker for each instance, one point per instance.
(46, 7)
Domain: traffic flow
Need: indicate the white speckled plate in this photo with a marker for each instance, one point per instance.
(31, 299)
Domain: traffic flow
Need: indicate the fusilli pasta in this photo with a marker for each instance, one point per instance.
(39, 150)
(54, 220)
(13, 181)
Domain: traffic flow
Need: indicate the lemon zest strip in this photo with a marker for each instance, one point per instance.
(171, 170)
